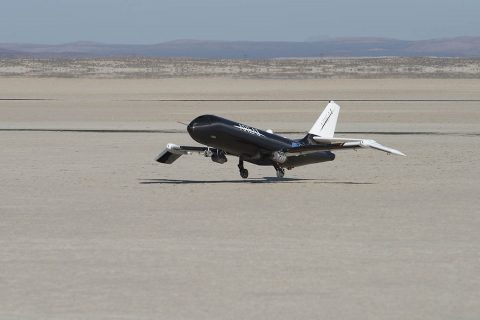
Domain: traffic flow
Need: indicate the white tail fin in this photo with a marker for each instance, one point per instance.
(325, 124)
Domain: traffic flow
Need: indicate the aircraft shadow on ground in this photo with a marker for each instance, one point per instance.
(251, 180)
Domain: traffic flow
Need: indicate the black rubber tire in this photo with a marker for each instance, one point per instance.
(244, 173)
(280, 174)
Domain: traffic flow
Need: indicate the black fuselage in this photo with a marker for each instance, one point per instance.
(248, 143)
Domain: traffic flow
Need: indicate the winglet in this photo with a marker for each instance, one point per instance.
(170, 154)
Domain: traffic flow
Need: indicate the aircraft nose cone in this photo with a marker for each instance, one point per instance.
(199, 124)
(190, 128)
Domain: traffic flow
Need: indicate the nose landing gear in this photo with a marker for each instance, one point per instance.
(280, 171)
(243, 171)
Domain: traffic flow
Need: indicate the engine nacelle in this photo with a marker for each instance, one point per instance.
(279, 157)
(219, 157)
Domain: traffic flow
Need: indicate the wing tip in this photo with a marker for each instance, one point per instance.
(399, 153)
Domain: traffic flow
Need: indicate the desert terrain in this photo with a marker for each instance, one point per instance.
(299, 68)
(91, 227)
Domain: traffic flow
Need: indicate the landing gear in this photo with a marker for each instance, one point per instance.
(243, 171)
(280, 171)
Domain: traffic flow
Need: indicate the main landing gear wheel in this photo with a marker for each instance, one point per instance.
(280, 173)
(243, 171)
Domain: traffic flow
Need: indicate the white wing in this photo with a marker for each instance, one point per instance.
(361, 143)
(172, 152)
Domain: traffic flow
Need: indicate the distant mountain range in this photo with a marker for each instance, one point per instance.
(340, 47)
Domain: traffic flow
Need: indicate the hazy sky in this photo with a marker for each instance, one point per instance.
(152, 21)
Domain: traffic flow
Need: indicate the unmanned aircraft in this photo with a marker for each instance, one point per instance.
(222, 138)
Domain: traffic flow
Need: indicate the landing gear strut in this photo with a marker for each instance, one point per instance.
(280, 171)
(243, 171)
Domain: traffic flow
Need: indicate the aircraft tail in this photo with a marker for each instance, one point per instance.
(325, 125)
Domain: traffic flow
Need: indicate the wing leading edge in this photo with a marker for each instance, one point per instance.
(328, 144)
(362, 143)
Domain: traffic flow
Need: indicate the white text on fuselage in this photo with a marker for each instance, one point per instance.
(249, 130)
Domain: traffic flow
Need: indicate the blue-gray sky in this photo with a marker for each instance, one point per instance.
(153, 21)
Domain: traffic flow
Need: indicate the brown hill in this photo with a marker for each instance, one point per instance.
(341, 47)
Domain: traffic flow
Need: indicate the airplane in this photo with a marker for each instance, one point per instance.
(222, 137)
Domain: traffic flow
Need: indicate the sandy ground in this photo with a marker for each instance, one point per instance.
(92, 228)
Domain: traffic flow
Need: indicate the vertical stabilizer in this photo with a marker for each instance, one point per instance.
(325, 124)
